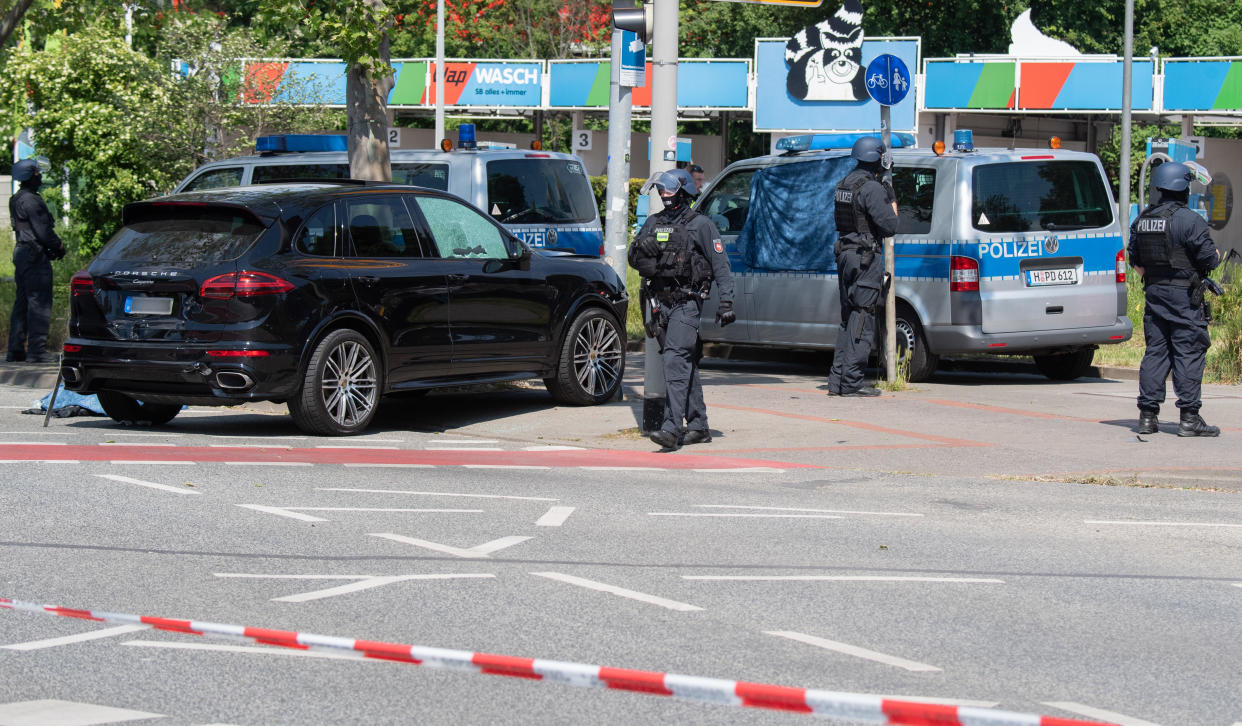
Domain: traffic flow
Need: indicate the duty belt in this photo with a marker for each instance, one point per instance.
(1168, 280)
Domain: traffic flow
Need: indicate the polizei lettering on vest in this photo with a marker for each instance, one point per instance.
(1147, 224)
(845, 196)
(1015, 248)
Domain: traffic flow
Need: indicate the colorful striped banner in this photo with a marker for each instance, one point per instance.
(1207, 85)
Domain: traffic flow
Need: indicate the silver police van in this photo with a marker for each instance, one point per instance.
(542, 197)
(997, 251)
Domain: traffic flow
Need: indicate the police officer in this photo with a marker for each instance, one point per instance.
(37, 244)
(866, 212)
(1171, 249)
(678, 253)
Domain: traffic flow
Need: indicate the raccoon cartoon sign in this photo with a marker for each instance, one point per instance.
(825, 59)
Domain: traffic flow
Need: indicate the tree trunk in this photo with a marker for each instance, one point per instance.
(366, 108)
(11, 19)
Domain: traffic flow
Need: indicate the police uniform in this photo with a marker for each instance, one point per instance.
(1172, 245)
(864, 216)
(691, 256)
(37, 244)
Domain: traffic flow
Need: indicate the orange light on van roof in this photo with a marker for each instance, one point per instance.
(446, 144)
(536, 145)
(1054, 142)
(938, 147)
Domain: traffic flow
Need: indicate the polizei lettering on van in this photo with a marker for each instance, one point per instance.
(1012, 248)
(507, 76)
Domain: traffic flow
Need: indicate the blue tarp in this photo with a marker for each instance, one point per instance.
(65, 399)
(791, 225)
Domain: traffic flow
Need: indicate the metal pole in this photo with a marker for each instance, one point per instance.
(890, 298)
(617, 193)
(1124, 173)
(663, 158)
(439, 71)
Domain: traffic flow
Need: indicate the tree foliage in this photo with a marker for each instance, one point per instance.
(1176, 27)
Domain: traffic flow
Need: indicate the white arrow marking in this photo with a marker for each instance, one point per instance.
(476, 552)
(282, 512)
(151, 484)
(854, 650)
(362, 582)
(79, 638)
(555, 517)
(618, 591)
(292, 512)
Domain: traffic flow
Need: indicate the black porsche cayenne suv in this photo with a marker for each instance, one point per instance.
(327, 297)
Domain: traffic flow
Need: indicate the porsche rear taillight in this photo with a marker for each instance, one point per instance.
(81, 284)
(246, 283)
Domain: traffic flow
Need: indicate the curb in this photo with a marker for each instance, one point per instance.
(830, 704)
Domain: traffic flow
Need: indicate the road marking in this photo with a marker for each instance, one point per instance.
(741, 470)
(552, 448)
(439, 494)
(293, 512)
(267, 463)
(855, 651)
(555, 517)
(39, 461)
(33, 443)
(802, 509)
(461, 448)
(466, 441)
(155, 462)
(1099, 713)
(739, 514)
(151, 484)
(503, 466)
(362, 582)
(392, 466)
(367, 448)
(256, 649)
(130, 443)
(623, 468)
(843, 578)
(1163, 524)
(79, 638)
(476, 552)
(52, 712)
(618, 591)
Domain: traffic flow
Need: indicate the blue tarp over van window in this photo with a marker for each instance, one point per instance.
(791, 225)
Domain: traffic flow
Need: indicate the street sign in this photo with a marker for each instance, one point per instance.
(633, 60)
(888, 80)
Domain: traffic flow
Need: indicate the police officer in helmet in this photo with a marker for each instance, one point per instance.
(679, 254)
(866, 213)
(37, 245)
(1171, 249)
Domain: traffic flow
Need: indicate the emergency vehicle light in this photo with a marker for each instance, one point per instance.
(963, 140)
(1054, 142)
(466, 137)
(805, 142)
(301, 142)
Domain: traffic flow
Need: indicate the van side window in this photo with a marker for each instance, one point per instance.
(216, 178)
(268, 173)
(381, 227)
(318, 234)
(433, 176)
(916, 190)
(729, 202)
(461, 232)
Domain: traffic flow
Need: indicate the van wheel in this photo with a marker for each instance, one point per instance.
(1065, 366)
(340, 390)
(124, 409)
(592, 360)
(912, 349)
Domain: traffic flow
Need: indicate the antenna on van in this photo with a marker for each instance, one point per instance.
(1012, 130)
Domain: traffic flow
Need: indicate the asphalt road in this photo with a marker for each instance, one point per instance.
(983, 539)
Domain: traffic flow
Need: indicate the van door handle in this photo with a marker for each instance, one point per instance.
(458, 278)
(368, 279)
(1054, 309)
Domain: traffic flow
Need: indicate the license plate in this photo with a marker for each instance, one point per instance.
(135, 305)
(1060, 276)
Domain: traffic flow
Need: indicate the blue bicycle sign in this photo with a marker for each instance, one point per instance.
(888, 80)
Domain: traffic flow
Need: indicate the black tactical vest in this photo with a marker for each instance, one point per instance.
(851, 217)
(678, 258)
(1158, 255)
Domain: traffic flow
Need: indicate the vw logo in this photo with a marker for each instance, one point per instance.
(1051, 244)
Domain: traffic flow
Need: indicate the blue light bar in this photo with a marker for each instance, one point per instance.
(963, 140)
(301, 142)
(806, 142)
(466, 137)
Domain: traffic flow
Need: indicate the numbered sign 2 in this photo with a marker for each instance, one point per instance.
(394, 137)
(582, 140)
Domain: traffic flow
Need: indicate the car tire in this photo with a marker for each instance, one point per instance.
(341, 387)
(912, 348)
(1065, 366)
(592, 360)
(127, 410)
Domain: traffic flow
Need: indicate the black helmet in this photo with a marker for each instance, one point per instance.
(868, 149)
(25, 170)
(669, 182)
(1170, 176)
(687, 181)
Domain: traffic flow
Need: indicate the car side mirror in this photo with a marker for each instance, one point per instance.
(519, 253)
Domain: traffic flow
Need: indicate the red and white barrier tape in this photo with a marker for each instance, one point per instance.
(830, 704)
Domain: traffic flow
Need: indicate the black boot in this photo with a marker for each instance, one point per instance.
(1148, 423)
(1193, 425)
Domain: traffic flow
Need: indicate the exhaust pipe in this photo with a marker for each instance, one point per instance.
(233, 380)
(70, 374)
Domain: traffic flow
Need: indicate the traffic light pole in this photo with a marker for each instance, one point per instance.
(890, 296)
(663, 158)
(617, 194)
